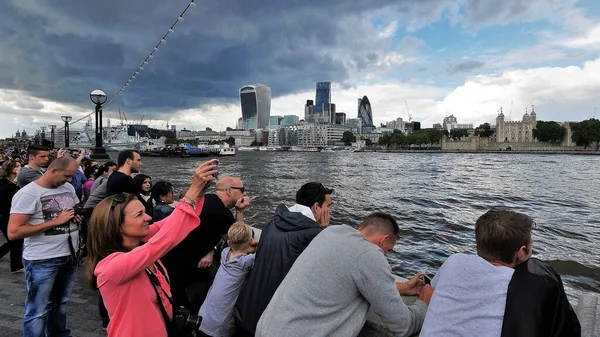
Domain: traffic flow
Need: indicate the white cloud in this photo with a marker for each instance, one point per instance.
(560, 94)
(588, 40)
(389, 30)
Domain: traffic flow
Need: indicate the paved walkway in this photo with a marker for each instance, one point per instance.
(82, 309)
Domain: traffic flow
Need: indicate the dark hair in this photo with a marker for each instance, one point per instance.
(161, 188)
(34, 149)
(500, 234)
(7, 167)
(138, 181)
(104, 232)
(88, 172)
(383, 222)
(101, 170)
(312, 192)
(85, 162)
(124, 155)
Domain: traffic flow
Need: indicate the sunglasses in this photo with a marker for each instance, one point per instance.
(117, 199)
(322, 188)
(242, 189)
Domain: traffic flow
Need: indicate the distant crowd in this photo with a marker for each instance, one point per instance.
(192, 266)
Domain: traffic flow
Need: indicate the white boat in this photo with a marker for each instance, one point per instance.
(115, 138)
(263, 148)
(305, 149)
(247, 148)
(227, 151)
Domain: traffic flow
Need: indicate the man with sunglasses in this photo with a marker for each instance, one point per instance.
(283, 239)
(189, 262)
(42, 213)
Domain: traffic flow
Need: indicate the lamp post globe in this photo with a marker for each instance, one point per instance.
(98, 97)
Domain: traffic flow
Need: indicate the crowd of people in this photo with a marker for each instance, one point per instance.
(191, 266)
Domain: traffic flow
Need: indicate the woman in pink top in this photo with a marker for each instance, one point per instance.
(129, 275)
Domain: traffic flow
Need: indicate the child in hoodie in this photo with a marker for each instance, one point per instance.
(236, 262)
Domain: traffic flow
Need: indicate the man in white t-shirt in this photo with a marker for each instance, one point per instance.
(42, 213)
(470, 291)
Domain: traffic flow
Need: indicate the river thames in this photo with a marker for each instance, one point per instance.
(436, 198)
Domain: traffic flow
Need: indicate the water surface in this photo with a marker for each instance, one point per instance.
(436, 198)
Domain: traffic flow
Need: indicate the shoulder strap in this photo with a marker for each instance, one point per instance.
(153, 281)
(160, 268)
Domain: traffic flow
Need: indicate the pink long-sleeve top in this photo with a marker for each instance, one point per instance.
(128, 295)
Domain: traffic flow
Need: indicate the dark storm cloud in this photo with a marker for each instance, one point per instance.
(465, 67)
(60, 50)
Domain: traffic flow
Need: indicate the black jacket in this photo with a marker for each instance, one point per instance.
(536, 304)
(282, 240)
(8, 189)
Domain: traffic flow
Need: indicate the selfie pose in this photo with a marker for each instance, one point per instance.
(133, 282)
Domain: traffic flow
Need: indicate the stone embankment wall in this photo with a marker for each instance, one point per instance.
(476, 143)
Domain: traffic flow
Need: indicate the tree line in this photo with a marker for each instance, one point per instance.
(585, 133)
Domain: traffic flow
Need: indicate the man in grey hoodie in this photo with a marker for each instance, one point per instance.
(282, 240)
(338, 277)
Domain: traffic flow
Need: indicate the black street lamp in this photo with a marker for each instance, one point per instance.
(52, 127)
(66, 119)
(98, 97)
(43, 133)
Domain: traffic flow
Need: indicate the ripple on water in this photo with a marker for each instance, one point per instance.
(435, 197)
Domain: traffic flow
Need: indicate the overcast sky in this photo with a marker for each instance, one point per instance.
(441, 57)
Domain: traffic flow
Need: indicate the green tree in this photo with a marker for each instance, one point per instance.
(208, 129)
(586, 133)
(397, 139)
(484, 130)
(385, 140)
(348, 137)
(230, 141)
(457, 134)
(228, 129)
(254, 143)
(368, 142)
(434, 136)
(551, 132)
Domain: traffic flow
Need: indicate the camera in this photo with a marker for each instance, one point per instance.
(79, 210)
(185, 322)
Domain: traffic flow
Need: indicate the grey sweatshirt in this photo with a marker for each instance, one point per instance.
(330, 288)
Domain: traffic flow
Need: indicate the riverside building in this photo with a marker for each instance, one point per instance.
(516, 132)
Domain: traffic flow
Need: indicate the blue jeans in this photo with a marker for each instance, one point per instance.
(49, 285)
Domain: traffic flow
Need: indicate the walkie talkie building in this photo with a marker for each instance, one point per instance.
(255, 101)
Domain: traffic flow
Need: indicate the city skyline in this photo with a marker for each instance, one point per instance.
(442, 57)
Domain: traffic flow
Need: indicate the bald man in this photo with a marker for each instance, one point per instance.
(42, 213)
(189, 262)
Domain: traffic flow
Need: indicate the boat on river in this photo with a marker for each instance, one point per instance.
(227, 151)
(304, 149)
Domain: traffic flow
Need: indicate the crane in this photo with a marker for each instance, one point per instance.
(408, 111)
(122, 116)
(141, 120)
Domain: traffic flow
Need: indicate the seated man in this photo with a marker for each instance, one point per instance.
(470, 294)
(283, 239)
(334, 282)
(537, 305)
